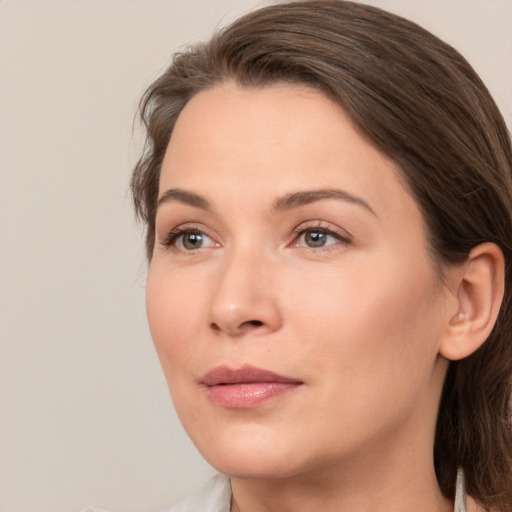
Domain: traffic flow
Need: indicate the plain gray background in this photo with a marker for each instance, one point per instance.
(85, 417)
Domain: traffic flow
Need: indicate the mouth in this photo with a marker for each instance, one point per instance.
(246, 387)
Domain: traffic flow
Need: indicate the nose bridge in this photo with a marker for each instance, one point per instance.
(244, 299)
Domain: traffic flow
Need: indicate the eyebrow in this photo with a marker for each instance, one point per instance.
(185, 197)
(286, 202)
(296, 199)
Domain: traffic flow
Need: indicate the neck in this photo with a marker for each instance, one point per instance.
(394, 483)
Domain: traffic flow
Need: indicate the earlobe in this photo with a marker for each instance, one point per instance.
(479, 293)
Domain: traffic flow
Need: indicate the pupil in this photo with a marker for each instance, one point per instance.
(192, 240)
(315, 238)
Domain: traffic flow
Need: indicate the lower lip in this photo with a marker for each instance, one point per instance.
(248, 395)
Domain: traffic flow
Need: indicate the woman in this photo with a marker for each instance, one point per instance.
(327, 192)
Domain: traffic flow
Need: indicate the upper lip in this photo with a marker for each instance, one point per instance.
(244, 375)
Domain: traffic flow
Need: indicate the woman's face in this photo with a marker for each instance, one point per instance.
(291, 297)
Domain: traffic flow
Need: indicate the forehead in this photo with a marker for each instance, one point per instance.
(274, 140)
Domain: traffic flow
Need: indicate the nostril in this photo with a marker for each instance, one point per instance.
(248, 324)
(237, 329)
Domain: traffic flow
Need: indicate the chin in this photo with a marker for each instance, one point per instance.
(263, 467)
(253, 455)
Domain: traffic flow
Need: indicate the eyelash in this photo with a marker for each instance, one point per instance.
(320, 227)
(174, 235)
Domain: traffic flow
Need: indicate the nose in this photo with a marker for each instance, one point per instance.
(244, 300)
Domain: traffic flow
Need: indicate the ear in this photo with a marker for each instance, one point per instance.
(478, 287)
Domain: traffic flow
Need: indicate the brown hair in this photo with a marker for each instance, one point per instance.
(421, 104)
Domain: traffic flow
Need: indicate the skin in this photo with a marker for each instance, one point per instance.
(360, 321)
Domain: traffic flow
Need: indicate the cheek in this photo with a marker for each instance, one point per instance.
(173, 310)
(372, 349)
(375, 321)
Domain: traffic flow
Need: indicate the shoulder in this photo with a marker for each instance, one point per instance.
(214, 496)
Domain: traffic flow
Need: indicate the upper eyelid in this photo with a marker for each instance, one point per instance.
(171, 236)
(322, 226)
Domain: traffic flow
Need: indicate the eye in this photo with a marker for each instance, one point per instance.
(188, 240)
(191, 241)
(318, 237)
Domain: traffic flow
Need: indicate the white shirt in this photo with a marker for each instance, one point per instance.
(215, 496)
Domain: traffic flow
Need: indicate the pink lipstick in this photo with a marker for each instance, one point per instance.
(246, 387)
